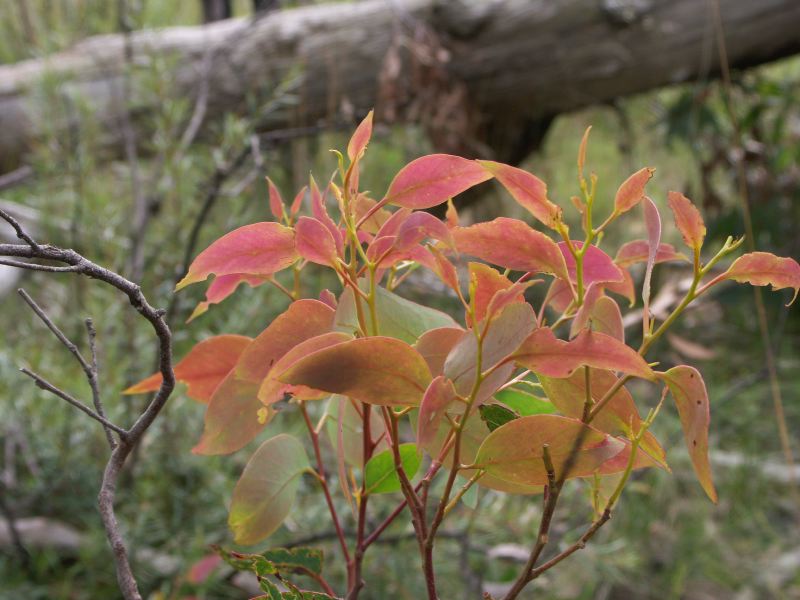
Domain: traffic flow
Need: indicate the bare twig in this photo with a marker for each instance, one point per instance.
(131, 437)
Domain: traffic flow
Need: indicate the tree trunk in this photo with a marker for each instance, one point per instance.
(483, 75)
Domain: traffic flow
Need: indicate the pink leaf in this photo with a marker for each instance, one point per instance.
(223, 286)
(689, 392)
(763, 268)
(314, 242)
(256, 249)
(631, 192)
(276, 204)
(361, 136)
(638, 251)
(298, 201)
(320, 212)
(527, 189)
(431, 180)
(544, 353)
(512, 244)
(434, 346)
(437, 399)
(688, 220)
(484, 283)
(597, 265)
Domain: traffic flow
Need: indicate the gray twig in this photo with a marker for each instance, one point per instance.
(129, 439)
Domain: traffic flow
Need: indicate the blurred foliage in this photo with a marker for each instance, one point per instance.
(664, 542)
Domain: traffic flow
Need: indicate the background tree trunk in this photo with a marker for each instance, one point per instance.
(484, 76)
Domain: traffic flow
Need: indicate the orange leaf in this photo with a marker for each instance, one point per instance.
(688, 220)
(203, 368)
(432, 179)
(631, 192)
(377, 370)
(434, 346)
(255, 249)
(689, 391)
(223, 286)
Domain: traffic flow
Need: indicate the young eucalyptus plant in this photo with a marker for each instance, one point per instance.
(513, 397)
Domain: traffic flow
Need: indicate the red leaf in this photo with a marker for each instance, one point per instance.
(597, 265)
(276, 204)
(320, 213)
(514, 451)
(256, 249)
(438, 397)
(512, 244)
(201, 570)
(314, 242)
(763, 268)
(434, 346)
(419, 226)
(638, 251)
(527, 189)
(203, 368)
(689, 391)
(377, 370)
(544, 353)
(631, 192)
(688, 220)
(432, 179)
(361, 136)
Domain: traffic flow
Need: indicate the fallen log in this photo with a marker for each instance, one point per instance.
(481, 74)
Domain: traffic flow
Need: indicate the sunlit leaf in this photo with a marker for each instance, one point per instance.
(432, 179)
(202, 369)
(545, 354)
(439, 396)
(484, 283)
(523, 403)
(763, 268)
(376, 370)
(689, 392)
(527, 189)
(265, 492)
(631, 192)
(255, 249)
(512, 244)
(514, 451)
(380, 473)
(688, 220)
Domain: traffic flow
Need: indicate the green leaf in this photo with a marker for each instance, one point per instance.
(255, 563)
(397, 317)
(495, 415)
(307, 559)
(470, 497)
(514, 452)
(265, 492)
(380, 474)
(525, 404)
